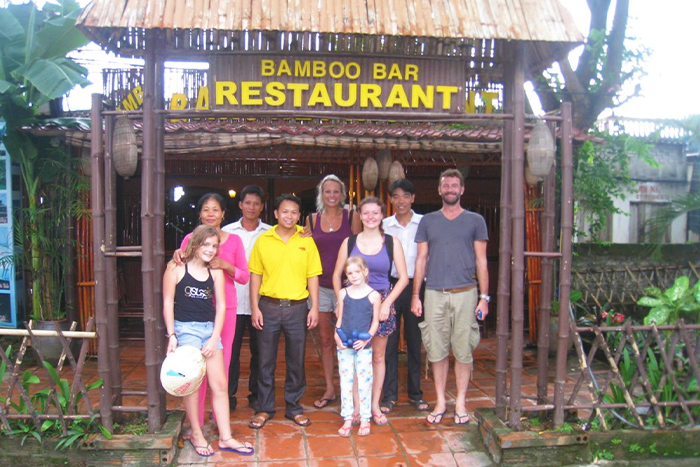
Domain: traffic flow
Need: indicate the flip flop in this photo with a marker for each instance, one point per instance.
(299, 419)
(461, 419)
(207, 447)
(326, 401)
(437, 417)
(419, 404)
(345, 431)
(387, 406)
(380, 419)
(259, 420)
(245, 449)
(364, 430)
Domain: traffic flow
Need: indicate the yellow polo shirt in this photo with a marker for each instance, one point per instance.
(285, 267)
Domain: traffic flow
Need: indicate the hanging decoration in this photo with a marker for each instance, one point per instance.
(396, 172)
(124, 147)
(384, 163)
(370, 174)
(531, 179)
(540, 150)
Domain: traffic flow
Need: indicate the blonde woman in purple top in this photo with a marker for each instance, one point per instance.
(329, 226)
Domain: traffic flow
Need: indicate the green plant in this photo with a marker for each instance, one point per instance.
(604, 454)
(35, 70)
(615, 441)
(44, 402)
(668, 306)
(635, 448)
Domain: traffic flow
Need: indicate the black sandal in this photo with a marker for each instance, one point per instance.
(419, 404)
(387, 406)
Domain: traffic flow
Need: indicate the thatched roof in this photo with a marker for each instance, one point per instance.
(470, 28)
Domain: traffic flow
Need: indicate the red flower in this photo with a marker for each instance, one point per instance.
(604, 314)
(618, 318)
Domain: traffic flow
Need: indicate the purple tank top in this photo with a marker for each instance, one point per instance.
(379, 266)
(328, 244)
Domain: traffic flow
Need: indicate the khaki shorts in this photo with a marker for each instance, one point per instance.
(326, 299)
(450, 322)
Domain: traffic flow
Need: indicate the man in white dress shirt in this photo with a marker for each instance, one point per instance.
(403, 225)
(249, 227)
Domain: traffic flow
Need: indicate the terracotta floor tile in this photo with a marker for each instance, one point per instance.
(383, 461)
(377, 444)
(283, 464)
(278, 448)
(350, 462)
(473, 459)
(437, 459)
(324, 428)
(411, 425)
(455, 440)
(321, 447)
(276, 428)
(417, 443)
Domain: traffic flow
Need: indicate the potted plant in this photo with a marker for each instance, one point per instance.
(34, 71)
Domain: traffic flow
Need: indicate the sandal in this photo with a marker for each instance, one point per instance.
(436, 417)
(364, 430)
(461, 419)
(419, 404)
(209, 451)
(380, 419)
(326, 401)
(244, 449)
(387, 406)
(259, 420)
(299, 419)
(345, 431)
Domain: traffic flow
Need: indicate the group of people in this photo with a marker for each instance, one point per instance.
(355, 275)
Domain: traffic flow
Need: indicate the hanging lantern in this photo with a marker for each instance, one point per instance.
(370, 174)
(531, 179)
(540, 150)
(384, 163)
(396, 172)
(124, 147)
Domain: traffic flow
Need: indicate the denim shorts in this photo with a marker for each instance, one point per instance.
(195, 333)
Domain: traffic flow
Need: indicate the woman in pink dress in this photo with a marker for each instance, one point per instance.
(231, 259)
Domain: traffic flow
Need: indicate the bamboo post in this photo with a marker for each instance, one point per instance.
(98, 240)
(567, 225)
(159, 221)
(504, 256)
(110, 196)
(518, 234)
(148, 232)
(546, 285)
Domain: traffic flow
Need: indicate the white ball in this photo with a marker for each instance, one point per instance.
(183, 371)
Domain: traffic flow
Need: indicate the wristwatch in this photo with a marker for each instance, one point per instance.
(486, 298)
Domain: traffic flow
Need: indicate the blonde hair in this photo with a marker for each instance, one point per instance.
(199, 236)
(319, 191)
(360, 262)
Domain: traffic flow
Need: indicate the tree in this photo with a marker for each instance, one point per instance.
(34, 70)
(606, 69)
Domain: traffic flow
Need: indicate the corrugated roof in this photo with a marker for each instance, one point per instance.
(527, 20)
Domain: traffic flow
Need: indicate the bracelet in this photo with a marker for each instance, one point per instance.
(168, 336)
(416, 293)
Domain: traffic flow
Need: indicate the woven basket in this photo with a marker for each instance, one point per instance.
(370, 174)
(124, 147)
(540, 150)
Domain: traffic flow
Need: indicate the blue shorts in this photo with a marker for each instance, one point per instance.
(195, 333)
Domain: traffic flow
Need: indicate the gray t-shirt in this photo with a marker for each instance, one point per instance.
(451, 261)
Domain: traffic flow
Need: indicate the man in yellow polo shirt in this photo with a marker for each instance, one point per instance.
(284, 269)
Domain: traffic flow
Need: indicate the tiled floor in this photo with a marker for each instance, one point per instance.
(408, 440)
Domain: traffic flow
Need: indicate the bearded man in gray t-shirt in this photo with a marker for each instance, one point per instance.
(452, 260)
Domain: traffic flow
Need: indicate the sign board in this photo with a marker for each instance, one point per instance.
(317, 83)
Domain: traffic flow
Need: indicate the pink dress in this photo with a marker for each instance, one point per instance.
(232, 251)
